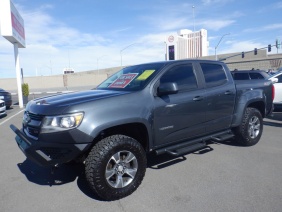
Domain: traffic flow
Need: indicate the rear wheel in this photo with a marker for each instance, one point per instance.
(250, 130)
(115, 167)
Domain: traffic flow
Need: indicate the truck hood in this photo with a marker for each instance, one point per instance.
(57, 103)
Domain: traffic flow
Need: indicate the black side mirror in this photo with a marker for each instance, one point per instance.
(167, 88)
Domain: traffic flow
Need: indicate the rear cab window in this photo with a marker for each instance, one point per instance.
(214, 74)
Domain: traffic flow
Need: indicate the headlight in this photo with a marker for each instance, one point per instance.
(60, 123)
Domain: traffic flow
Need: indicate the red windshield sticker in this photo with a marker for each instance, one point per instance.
(123, 80)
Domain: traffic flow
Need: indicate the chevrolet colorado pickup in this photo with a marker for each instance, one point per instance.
(172, 107)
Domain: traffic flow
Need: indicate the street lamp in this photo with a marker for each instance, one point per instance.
(194, 41)
(218, 44)
(123, 50)
(98, 61)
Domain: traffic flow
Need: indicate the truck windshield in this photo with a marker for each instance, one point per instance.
(133, 78)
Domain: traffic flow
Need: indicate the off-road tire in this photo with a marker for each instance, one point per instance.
(250, 130)
(107, 152)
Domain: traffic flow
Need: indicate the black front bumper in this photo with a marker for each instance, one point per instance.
(48, 154)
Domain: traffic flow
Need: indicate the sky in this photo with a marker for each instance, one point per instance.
(90, 35)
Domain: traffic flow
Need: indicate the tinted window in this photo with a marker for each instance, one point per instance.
(241, 76)
(183, 75)
(256, 76)
(214, 74)
(279, 78)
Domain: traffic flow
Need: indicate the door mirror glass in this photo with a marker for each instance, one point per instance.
(167, 88)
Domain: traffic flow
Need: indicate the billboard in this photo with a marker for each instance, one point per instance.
(12, 24)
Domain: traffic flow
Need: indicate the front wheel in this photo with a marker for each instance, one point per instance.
(250, 130)
(115, 167)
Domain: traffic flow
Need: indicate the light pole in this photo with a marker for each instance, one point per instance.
(218, 44)
(98, 61)
(123, 50)
(194, 42)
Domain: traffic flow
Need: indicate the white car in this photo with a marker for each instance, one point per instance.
(2, 107)
(278, 90)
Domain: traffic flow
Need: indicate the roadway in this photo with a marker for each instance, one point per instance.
(224, 178)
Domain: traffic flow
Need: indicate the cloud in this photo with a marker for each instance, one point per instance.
(216, 25)
(264, 28)
(213, 2)
(239, 46)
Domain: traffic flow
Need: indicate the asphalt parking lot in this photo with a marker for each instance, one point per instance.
(224, 178)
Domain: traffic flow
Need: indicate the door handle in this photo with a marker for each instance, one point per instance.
(228, 92)
(198, 98)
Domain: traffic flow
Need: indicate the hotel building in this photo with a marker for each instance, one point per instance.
(187, 44)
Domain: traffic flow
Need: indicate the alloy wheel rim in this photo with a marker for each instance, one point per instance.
(121, 169)
(254, 127)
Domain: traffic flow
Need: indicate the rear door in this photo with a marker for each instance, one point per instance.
(220, 96)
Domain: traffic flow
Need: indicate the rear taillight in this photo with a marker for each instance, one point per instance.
(273, 92)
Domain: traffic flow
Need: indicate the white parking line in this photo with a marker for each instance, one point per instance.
(11, 117)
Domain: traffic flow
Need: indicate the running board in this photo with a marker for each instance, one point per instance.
(193, 145)
(186, 150)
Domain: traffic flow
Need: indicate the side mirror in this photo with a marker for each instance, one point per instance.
(167, 88)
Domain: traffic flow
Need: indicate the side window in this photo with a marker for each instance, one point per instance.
(214, 74)
(279, 78)
(183, 75)
(241, 76)
(256, 76)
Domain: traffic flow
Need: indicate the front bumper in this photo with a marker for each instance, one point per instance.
(48, 154)
(3, 111)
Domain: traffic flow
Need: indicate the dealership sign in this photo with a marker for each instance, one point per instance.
(12, 24)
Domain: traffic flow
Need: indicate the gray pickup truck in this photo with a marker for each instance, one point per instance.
(172, 107)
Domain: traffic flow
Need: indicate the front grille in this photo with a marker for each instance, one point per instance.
(32, 123)
(37, 117)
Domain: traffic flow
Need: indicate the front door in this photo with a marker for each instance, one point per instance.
(179, 116)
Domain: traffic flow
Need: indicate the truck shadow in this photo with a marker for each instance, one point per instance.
(64, 174)
(48, 176)
(70, 172)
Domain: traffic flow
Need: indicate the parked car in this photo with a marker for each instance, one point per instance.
(7, 97)
(250, 75)
(170, 107)
(2, 108)
(278, 91)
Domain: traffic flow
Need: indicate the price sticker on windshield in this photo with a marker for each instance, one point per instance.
(145, 75)
(123, 80)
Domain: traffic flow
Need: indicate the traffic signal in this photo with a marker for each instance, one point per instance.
(256, 51)
(243, 54)
(269, 48)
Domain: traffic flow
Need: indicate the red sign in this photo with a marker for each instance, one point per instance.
(171, 39)
(123, 80)
(17, 26)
